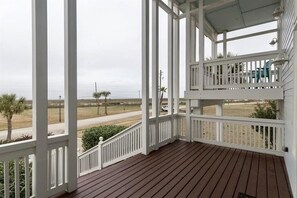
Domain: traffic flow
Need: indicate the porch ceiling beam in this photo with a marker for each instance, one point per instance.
(208, 7)
(249, 35)
(167, 9)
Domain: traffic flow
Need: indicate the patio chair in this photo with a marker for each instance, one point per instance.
(263, 72)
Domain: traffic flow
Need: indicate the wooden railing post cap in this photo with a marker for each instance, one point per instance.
(100, 139)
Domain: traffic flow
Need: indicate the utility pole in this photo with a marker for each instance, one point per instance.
(138, 93)
(60, 109)
(161, 73)
(96, 87)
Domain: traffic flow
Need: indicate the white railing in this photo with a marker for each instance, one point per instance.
(168, 130)
(88, 161)
(119, 147)
(16, 166)
(57, 155)
(181, 126)
(129, 143)
(262, 135)
(239, 72)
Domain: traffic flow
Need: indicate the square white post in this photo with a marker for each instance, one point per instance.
(176, 68)
(170, 67)
(155, 69)
(70, 37)
(39, 102)
(145, 76)
(188, 69)
(225, 70)
(201, 45)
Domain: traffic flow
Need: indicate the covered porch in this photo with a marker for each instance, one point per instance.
(177, 154)
(183, 169)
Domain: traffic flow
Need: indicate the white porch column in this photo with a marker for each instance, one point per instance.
(225, 71)
(155, 69)
(70, 78)
(39, 102)
(145, 75)
(219, 126)
(176, 61)
(170, 66)
(188, 78)
(201, 45)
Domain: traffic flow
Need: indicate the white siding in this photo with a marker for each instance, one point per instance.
(289, 106)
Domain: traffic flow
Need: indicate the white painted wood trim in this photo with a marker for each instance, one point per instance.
(176, 66)
(155, 65)
(248, 35)
(145, 75)
(70, 114)
(188, 59)
(40, 97)
(251, 94)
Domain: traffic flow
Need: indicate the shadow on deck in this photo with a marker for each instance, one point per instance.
(184, 169)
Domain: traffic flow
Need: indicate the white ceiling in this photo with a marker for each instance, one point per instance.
(236, 14)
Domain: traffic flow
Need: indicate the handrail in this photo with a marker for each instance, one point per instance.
(121, 133)
(242, 119)
(234, 58)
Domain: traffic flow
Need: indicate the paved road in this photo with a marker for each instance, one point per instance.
(59, 128)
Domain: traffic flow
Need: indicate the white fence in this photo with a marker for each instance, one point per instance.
(57, 159)
(239, 72)
(119, 147)
(129, 143)
(16, 163)
(17, 169)
(262, 135)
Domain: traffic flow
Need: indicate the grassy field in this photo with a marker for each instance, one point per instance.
(25, 119)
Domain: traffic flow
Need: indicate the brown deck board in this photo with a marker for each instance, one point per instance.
(252, 183)
(233, 180)
(184, 169)
(271, 178)
(262, 180)
(104, 182)
(211, 183)
(139, 171)
(183, 182)
(220, 187)
(209, 166)
(140, 183)
(282, 182)
(204, 181)
(244, 175)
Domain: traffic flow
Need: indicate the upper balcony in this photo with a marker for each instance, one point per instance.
(252, 76)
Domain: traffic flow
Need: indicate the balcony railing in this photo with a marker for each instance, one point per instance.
(16, 162)
(260, 135)
(253, 71)
(129, 142)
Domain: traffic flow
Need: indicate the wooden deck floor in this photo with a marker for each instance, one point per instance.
(185, 169)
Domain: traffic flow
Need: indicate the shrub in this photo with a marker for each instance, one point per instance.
(12, 180)
(91, 136)
(266, 111)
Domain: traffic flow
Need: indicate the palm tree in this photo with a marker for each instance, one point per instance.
(162, 90)
(9, 106)
(97, 95)
(105, 94)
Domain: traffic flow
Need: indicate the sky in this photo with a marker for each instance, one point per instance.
(109, 47)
